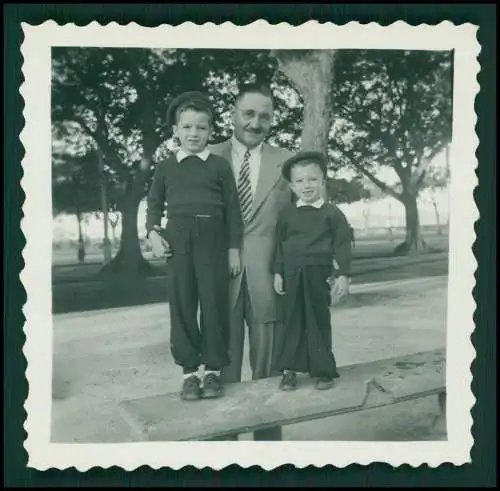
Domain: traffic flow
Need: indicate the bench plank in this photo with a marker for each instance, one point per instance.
(259, 404)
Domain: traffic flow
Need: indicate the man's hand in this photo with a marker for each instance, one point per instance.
(278, 284)
(234, 262)
(159, 245)
(340, 289)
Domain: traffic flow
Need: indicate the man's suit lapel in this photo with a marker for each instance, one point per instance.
(226, 151)
(269, 174)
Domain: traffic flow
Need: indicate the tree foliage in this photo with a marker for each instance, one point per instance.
(393, 109)
(389, 109)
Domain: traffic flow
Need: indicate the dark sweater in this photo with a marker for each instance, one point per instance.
(309, 236)
(195, 187)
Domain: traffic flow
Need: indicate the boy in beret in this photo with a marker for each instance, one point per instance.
(203, 233)
(312, 234)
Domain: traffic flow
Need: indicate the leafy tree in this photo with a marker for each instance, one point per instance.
(393, 109)
(344, 191)
(436, 178)
(119, 98)
(75, 186)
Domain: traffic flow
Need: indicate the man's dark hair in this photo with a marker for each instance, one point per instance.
(254, 88)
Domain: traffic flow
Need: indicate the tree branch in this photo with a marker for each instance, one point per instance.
(382, 185)
(417, 175)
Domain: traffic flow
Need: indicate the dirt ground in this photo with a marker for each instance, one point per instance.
(103, 357)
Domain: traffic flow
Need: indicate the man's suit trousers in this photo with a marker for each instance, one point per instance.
(261, 341)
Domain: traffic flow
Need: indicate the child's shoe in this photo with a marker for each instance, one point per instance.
(288, 381)
(191, 390)
(212, 386)
(324, 383)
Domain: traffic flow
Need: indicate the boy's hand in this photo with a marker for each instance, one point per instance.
(278, 284)
(159, 245)
(340, 289)
(234, 262)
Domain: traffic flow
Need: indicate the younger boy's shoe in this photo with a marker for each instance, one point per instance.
(212, 386)
(191, 390)
(288, 381)
(324, 383)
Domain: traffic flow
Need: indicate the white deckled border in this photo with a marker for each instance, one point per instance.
(36, 226)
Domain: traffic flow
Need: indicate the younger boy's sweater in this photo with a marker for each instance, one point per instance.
(309, 236)
(195, 187)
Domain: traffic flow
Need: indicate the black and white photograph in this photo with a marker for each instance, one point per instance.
(244, 237)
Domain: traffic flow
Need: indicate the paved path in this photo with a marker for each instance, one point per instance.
(102, 357)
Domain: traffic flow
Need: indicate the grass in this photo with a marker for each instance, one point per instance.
(79, 288)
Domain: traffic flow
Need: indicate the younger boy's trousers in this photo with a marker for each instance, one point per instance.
(305, 340)
(198, 275)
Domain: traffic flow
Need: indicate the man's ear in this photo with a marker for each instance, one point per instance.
(174, 130)
(233, 112)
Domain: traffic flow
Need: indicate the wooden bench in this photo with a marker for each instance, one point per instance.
(259, 404)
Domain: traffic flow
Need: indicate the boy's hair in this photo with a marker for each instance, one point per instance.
(254, 88)
(197, 101)
(196, 106)
(305, 158)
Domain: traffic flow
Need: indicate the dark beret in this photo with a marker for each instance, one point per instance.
(188, 97)
(309, 156)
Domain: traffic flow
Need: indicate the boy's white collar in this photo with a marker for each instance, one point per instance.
(317, 204)
(203, 155)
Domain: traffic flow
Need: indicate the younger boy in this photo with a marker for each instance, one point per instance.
(311, 234)
(203, 232)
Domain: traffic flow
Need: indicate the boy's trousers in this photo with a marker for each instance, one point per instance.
(305, 340)
(198, 276)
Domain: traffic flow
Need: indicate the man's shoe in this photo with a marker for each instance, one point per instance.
(324, 383)
(191, 389)
(212, 386)
(288, 381)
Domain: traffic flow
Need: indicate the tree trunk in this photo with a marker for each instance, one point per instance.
(366, 220)
(113, 232)
(414, 242)
(311, 72)
(129, 259)
(106, 245)
(81, 245)
(389, 228)
(436, 213)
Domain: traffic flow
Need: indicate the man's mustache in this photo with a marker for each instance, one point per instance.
(257, 131)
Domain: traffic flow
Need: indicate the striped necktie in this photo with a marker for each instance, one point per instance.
(244, 187)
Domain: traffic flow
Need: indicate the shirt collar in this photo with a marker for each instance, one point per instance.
(317, 204)
(203, 155)
(241, 149)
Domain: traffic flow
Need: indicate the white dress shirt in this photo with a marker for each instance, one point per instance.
(317, 204)
(203, 155)
(237, 154)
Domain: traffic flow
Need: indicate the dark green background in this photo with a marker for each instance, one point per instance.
(481, 472)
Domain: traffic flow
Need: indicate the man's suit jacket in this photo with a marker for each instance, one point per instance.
(271, 195)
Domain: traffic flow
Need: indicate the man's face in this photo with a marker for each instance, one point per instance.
(306, 181)
(193, 129)
(252, 119)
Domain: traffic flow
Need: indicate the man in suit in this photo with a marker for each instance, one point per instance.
(263, 193)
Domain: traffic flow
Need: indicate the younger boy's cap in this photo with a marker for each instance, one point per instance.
(310, 156)
(188, 97)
